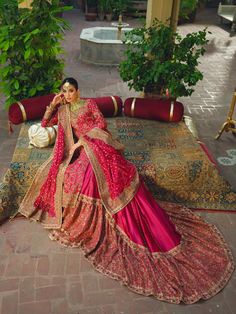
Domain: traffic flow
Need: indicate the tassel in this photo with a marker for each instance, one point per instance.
(10, 129)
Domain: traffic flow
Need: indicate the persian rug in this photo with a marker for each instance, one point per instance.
(174, 166)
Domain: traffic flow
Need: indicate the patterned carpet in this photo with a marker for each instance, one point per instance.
(173, 165)
(229, 159)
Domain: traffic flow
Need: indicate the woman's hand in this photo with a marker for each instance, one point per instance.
(58, 99)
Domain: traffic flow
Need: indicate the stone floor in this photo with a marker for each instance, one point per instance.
(39, 276)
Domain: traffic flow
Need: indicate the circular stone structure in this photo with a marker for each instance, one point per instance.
(100, 46)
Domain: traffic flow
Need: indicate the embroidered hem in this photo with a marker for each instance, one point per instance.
(185, 273)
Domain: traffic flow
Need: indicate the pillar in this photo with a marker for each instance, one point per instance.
(166, 11)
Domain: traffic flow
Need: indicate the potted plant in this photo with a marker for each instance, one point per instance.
(101, 9)
(109, 10)
(158, 59)
(90, 10)
(120, 7)
(188, 10)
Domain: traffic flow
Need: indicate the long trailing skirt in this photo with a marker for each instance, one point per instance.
(171, 254)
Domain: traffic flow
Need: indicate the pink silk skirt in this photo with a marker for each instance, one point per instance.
(171, 254)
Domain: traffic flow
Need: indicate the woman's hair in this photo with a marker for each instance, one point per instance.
(70, 80)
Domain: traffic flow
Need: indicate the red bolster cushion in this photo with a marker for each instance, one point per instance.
(34, 108)
(110, 106)
(154, 109)
(29, 109)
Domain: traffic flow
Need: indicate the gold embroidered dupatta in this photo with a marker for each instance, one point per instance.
(112, 205)
(27, 205)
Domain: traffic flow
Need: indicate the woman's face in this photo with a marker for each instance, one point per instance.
(70, 92)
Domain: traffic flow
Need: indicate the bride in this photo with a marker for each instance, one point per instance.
(89, 196)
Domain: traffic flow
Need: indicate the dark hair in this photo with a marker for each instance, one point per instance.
(70, 80)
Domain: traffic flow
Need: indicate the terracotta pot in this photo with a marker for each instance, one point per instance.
(152, 95)
(92, 9)
(152, 91)
(189, 18)
(90, 16)
(101, 16)
(109, 17)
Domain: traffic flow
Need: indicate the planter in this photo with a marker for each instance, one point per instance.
(190, 18)
(109, 17)
(90, 16)
(153, 91)
(152, 95)
(101, 16)
(90, 11)
(157, 96)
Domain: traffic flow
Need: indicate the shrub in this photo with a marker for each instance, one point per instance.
(159, 59)
(30, 48)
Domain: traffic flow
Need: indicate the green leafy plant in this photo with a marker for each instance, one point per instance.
(120, 6)
(102, 5)
(30, 48)
(159, 59)
(188, 9)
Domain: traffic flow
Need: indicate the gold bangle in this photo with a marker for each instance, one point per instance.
(51, 106)
(48, 109)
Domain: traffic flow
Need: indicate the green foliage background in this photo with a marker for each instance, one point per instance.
(30, 48)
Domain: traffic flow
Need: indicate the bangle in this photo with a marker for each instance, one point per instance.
(50, 107)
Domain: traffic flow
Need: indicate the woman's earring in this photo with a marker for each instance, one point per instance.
(78, 93)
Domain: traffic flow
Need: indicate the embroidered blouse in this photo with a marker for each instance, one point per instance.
(83, 119)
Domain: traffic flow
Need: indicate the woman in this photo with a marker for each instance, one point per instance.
(93, 198)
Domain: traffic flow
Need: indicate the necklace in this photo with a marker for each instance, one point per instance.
(77, 105)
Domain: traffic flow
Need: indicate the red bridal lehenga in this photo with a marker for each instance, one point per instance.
(93, 198)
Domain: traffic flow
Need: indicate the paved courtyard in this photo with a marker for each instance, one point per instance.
(39, 276)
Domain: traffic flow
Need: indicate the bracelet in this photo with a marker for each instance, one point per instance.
(48, 112)
(49, 108)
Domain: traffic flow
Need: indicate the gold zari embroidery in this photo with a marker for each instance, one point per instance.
(22, 109)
